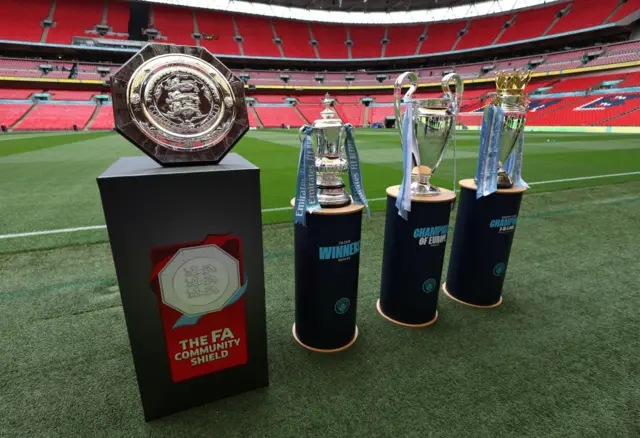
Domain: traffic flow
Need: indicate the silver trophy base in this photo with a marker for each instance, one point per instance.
(420, 186)
(504, 180)
(333, 197)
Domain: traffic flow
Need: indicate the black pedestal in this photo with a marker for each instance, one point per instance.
(481, 245)
(327, 262)
(413, 257)
(159, 220)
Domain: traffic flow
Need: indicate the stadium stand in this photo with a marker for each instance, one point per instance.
(295, 38)
(367, 41)
(276, 116)
(175, 24)
(117, 19)
(17, 94)
(584, 14)
(531, 23)
(331, 40)
(72, 18)
(257, 36)
(104, 119)
(625, 9)
(217, 32)
(16, 25)
(482, 32)
(56, 117)
(10, 113)
(441, 37)
(403, 40)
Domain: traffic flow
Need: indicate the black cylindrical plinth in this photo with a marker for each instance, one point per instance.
(481, 245)
(413, 257)
(327, 262)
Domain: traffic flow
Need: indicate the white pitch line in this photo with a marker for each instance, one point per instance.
(270, 210)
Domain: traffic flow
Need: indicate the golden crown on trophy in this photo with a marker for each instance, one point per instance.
(512, 82)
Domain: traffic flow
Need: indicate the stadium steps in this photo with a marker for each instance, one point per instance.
(237, 32)
(349, 53)
(275, 35)
(295, 107)
(613, 13)
(45, 30)
(553, 23)
(504, 29)
(384, 46)
(312, 37)
(465, 30)
(93, 117)
(365, 118)
(24, 116)
(605, 121)
(255, 114)
(424, 34)
(103, 21)
(195, 27)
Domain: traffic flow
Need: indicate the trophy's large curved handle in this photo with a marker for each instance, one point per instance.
(397, 95)
(446, 88)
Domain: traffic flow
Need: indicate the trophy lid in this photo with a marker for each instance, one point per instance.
(328, 119)
(512, 82)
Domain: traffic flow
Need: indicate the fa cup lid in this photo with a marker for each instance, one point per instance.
(328, 119)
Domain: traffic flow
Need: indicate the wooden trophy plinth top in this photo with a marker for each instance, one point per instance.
(471, 185)
(444, 195)
(328, 211)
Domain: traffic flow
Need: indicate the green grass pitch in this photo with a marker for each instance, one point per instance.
(558, 358)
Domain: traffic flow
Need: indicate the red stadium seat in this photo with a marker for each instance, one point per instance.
(627, 8)
(367, 41)
(11, 112)
(257, 36)
(331, 40)
(441, 37)
(174, 23)
(403, 40)
(56, 117)
(17, 25)
(584, 14)
(218, 32)
(73, 18)
(482, 32)
(275, 116)
(295, 38)
(531, 24)
(104, 119)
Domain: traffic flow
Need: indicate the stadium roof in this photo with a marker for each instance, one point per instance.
(363, 11)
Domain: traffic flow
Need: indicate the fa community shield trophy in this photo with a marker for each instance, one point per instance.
(179, 105)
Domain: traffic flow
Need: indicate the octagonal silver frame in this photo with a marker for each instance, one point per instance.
(173, 295)
(167, 154)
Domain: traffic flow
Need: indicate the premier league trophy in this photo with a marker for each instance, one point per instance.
(489, 205)
(502, 130)
(414, 245)
(327, 224)
(179, 105)
(185, 232)
(426, 128)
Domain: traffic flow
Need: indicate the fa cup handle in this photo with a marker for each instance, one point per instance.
(455, 98)
(397, 95)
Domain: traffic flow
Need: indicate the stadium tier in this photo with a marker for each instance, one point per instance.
(245, 35)
(104, 119)
(56, 117)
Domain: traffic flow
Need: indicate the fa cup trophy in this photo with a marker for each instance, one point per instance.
(426, 128)
(502, 130)
(327, 150)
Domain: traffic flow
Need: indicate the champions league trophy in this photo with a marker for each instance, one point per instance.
(327, 150)
(426, 129)
(502, 129)
(179, 105)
